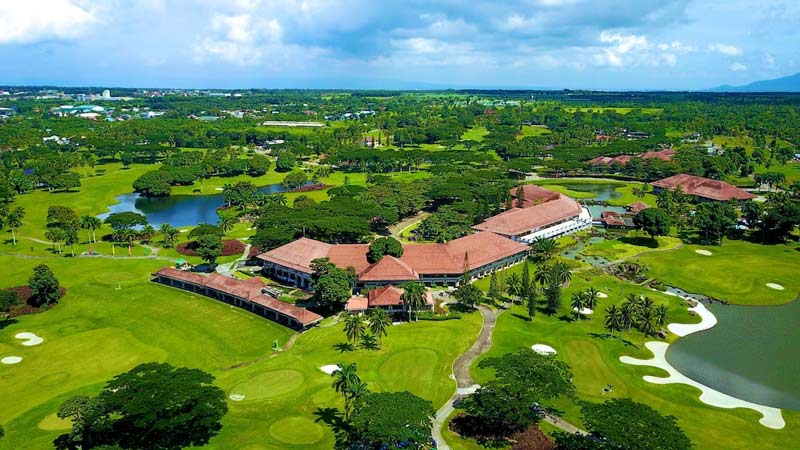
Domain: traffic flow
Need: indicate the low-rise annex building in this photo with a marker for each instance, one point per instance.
(542, 214)
(248, 294)
(389, 298)
(704, 189)
(431, 264)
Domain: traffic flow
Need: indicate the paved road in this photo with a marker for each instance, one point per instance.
(466, 385)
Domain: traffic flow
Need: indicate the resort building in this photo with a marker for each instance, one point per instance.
(431, 264)
(389, 298)
(248, 294)
(663, 155)
(704, 189)
(542, 214)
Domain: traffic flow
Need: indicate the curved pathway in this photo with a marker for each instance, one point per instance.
(466, 385)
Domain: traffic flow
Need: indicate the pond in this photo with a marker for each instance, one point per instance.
(603, 192)
(177, 210)
(753, 353)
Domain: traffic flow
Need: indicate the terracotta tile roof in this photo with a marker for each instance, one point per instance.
(601, 160)
(347, 255)
(432, 259)
(357, 303)
(635, 207)
(249, 289)
(484, 248)
(664, 155)
(181, 275)
(704, 187)
(534, 195)
(389, 268)
(386, 296)
(518, 221)
(297, 254)
(612, 218)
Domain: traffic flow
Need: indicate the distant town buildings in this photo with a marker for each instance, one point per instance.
(704, 189)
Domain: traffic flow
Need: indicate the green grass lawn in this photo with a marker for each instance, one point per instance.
(625, 189)
(475, 134)
(737, 271)
(618, 110)
(113, 318)
(529, 130)
(594, 358)
(632, 244)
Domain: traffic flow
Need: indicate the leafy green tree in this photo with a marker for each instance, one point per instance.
(713, 220)
(495, 288)
(294, 180)
(531, 300)
(156, 183)
(543, 250)
(468, 296)
(526, 277)
(384, 246)
(285, 162)
(332, 286)
(56, 236)
(227, 222)
(44, 286)
(634, 426)
(14, 221)
(123, 223)
(205, 229)
(8, 300)
(65, 182)
(654, 221)
(208, 247)
(168, 234)
(390, 419)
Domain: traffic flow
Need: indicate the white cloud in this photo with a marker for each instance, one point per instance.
(625, 43)
(677, 47)
(769, 60)
(725, 49)
(34, 20)
(737, 67)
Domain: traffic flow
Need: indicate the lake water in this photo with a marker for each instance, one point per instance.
(177, 210)
(602, 192)
(753, 353)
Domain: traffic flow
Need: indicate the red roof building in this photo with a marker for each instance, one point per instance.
(635, 207)
(663, 155)
(388, 297)
(704, 188)
(247, 294)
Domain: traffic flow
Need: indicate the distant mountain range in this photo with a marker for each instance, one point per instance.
(784, 84)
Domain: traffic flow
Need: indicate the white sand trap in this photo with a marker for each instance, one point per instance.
(771, 417)
(11, 359)
(330, 368)
(236, 397)
(219, 189)
(602, 295)
(583, 311)
(775, 286)
(30, 339)
(708, 320)
(703, 252)
(543, 349)
(183, 231)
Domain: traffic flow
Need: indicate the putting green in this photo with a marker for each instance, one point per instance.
(53, 379)
(296, 430)
(270, 384)
(53, 423)
(115, 279)
(405, 369)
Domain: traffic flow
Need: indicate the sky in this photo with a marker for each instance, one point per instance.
(576, 44)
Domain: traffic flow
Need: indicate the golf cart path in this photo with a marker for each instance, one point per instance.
(466, 385)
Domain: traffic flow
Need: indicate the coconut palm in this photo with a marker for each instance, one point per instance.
(168, 234)
(514, 285)
(543, 274)
(578, 303)
(561, 273)
(661, 312)
(345, 382)
(544, 248)
(278, 199)
(591, 297)
(14, 221)
(368, 342)
(413, 297)
(646, 322)
(379, 323)
(614, 319)
(353, 328)
(226, 222)
(91, 224)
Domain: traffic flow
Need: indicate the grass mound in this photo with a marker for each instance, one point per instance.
(296, 431)
(270, 384)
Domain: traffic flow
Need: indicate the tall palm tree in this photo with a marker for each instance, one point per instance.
(646, 323)
(379, 323)
(413, 297)
(544, 249)
(614, 319)
(226, 222)
(168, 234)
(578, 303)
(277, 199)
(91, 224)
(543, 274)
(514, 285)
(561, 273)
(591, 297)
(14, 219)
(345, 380)
(353, 328)
(661, 312)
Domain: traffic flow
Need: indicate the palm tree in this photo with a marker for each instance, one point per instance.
(379, 323)
(561, 273)
(543, 274)
(614, 319)
(353, 328)
(661, 315)
(14, 219)
(168, 234)
(514, 285)
(413, 297)
(591, 297)
(276, 199)
(647, 323)
(369, 342)
(578, 303)
(544, 248)
(147, 233)
(91, 224)
(226, 222)
(345, 381)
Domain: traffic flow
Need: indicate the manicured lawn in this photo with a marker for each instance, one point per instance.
(475, 134)
(529, 130)
(114, 318)
(618, 110)
(737, 271)
(625, 189)
(630, 245)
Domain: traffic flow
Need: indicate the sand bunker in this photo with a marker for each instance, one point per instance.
(703, 252)
(543, 349)
(236, 397)
(708, 320)
(771, 417)
(30, 339)
(11, 359)
(602, 295)
(775, 286)
(583, 311)
(330, 368)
